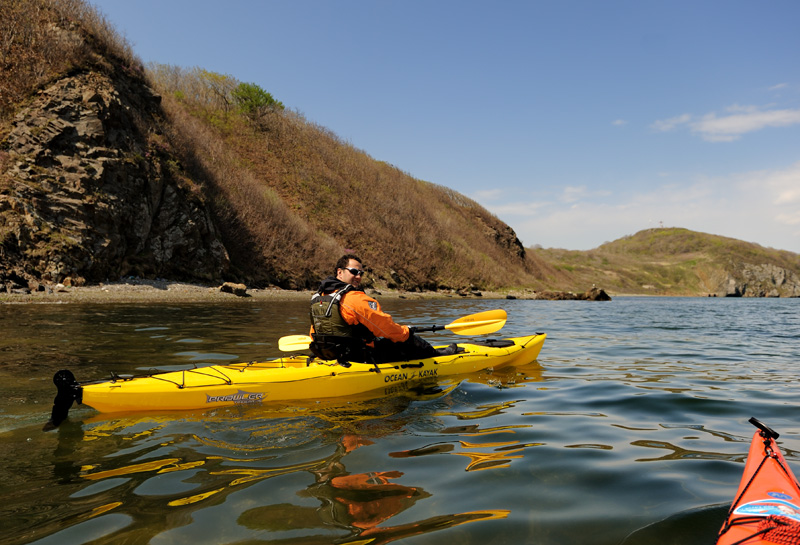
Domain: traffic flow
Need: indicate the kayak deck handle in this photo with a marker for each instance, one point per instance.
(766, 431)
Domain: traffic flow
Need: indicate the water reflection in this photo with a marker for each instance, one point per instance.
(163, 486)
(677, 453)
(482, 455)
(358, 503)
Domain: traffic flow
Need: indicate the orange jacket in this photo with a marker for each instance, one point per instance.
(356, 307)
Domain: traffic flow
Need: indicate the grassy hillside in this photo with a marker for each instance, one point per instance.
(42, 40)
(291, 192)
(668, 261)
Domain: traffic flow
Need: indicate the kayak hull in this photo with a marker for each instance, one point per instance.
(294, 378)
(768, 489)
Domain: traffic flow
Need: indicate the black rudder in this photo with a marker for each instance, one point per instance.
(68, 392)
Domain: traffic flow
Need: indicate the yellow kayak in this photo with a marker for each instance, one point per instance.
(282, 379)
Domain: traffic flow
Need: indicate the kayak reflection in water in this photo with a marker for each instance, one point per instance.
(361, 501)
(349, 325)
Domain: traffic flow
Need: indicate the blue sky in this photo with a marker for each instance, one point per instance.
(575, 122)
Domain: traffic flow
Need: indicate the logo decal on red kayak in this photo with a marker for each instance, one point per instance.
(779, 495)
(240, 397)
(766, 507)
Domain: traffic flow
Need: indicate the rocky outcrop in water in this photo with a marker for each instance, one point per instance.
(764, 280)
(594, 294)
(89, 191)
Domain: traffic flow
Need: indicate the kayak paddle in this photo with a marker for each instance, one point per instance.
(291, 343)
(481, 323)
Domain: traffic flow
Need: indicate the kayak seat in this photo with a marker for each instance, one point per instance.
(342, 349)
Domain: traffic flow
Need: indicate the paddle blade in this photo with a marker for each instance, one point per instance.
(479, 324)
(292, 343)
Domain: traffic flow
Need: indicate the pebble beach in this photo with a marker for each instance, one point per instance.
(167, 291)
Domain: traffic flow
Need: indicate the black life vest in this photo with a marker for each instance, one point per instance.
(325, 315)
(333, 337)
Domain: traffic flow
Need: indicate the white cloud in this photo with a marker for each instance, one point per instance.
(789, 219)
(780, 188)
(779, 87)
(672, 123)
(518, 209)
(758, 206)
(573, 194)
(619, 122)
(488, 195)
(789, 196)
(740, 120)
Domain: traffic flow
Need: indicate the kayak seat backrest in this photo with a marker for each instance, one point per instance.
(341, 349)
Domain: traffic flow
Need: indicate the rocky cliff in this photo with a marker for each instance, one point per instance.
(88, 192)
(760, 280)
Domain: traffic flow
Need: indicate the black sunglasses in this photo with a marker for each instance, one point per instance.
(354, 271)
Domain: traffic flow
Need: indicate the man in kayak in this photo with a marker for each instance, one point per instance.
(349, 325)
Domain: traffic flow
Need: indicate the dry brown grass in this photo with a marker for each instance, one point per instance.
(288, 176)
(266, 240)
(41, 40)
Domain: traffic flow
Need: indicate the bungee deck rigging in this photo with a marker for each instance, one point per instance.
(217, 370)
(283, 379)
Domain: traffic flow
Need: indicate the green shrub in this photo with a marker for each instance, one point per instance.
(253, 101)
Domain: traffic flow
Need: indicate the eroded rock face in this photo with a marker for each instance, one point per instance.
(764, 280)
(503, 235)
(89, 190)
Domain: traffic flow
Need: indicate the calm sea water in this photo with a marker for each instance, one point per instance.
(630, 428)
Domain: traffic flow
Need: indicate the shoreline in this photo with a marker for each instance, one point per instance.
(145, 291)
(167, 291)
(139, 290)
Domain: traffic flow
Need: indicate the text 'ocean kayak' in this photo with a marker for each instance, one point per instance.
(282, 379)
(767, 504)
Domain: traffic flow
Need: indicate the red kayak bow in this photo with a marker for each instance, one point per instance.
(767, 504)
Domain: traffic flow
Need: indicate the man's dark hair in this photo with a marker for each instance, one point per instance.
(344, 260)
